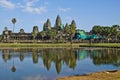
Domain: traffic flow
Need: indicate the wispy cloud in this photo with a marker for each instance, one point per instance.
(30, 7)
(64, 9)
(68, 19)
(7, 4)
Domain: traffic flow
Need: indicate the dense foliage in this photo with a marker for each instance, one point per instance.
(108, 32)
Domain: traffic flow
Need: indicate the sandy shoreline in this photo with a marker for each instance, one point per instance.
(105, 75)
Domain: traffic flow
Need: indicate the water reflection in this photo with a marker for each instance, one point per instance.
(106, 56)
(60, 56)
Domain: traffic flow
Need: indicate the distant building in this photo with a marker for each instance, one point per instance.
(8, 36)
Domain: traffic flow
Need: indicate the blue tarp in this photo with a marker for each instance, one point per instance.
(81, 35)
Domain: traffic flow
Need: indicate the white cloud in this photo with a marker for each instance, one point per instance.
(38, 10)
(29, 7)
(7, 4)
(64, 9)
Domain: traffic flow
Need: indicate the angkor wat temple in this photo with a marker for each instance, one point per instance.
(57, 33)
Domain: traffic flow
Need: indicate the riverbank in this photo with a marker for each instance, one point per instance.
(74, 45)
(105, 75)
(107, 45)
(43, 45)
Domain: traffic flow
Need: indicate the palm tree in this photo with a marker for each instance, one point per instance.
(13, 69)
(115, 31)
(13, 21)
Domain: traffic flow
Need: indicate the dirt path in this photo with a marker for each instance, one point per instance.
(106, 75)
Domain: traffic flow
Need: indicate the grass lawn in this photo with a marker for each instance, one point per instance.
(111, 45)
(37, 45)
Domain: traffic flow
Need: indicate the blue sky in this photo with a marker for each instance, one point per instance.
(86, 13)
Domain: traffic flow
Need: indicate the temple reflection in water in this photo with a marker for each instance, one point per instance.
(60, 56)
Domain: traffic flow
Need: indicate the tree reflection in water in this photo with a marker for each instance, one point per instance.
(13, 69)
(106, 56)
(64, 56)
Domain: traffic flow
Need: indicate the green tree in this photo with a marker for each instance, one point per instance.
(43, 34)
(52, 33)
(34, 34)
(67, 30)
(96, 30)
(106, 31)
(66, 27)
(72, 30)
(115, 29)
(13, 21)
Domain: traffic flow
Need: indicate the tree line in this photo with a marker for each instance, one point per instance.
(108, 32)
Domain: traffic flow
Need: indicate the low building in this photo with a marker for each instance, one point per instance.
(21, 36)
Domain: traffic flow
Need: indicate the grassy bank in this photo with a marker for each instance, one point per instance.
(107, 45)
(37, 45)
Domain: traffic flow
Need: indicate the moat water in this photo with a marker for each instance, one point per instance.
(52, 63)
